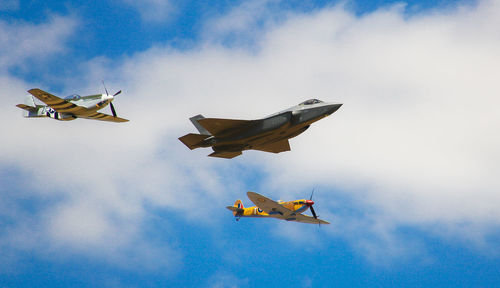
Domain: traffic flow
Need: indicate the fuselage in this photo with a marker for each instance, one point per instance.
(285, 124)
(91, 102)
(298, 206)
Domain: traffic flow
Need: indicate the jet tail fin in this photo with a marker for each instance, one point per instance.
(192, 140)
(198, 126)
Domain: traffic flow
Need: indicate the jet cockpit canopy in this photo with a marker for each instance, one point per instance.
(310, 102)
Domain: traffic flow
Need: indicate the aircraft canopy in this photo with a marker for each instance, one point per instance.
(73, 97)
(311, 101)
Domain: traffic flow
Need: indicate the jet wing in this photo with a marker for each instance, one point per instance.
(217, 126)
(275, 147)
(308, 219)
(269, 206)
(225, 154)
(56, 103)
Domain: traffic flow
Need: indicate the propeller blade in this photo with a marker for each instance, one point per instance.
(312, 192)
(105, 87)
(120, 91)
(114, 112)
(314, 213)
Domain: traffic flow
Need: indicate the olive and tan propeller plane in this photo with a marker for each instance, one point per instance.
(71, 107)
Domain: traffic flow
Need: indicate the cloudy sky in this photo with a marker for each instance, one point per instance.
(406, 171)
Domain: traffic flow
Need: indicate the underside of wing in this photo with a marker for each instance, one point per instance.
(104, 117)
(276, 147)
(269, 206)
(225, 154)
(308, 219)
(56, 103)
(218, 126)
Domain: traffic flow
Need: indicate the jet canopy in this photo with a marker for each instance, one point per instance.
(73, 97)
(310, 102)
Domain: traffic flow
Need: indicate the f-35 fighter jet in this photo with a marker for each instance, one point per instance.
(228, 137)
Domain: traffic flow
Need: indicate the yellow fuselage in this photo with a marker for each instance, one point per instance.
(296, 206)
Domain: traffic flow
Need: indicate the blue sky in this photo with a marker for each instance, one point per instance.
(406, 171)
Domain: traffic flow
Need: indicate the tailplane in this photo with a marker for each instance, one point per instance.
(192, 140)
(29, 107)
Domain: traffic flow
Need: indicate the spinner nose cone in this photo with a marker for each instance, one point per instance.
(309, 203)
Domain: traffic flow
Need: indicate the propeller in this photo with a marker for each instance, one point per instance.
(311, 207)
(113, 111)
(105, 88)
(314, 212)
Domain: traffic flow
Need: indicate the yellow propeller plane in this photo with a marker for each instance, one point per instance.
(265, 207)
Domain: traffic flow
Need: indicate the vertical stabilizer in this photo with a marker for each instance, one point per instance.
(238, 204)
(29, 101)
(239, 208)
(29, 107)
(198, 126)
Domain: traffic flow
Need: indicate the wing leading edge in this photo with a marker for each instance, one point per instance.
(269, 206)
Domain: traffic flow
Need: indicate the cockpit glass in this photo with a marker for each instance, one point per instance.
(73, 97)
(311, 101)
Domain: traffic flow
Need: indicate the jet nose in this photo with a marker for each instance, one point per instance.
(334, 107)
(309, 203)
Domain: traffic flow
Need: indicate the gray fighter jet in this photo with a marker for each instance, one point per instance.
(228, 137)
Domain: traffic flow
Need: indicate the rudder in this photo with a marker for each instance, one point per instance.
(239, 208)
(238, 204)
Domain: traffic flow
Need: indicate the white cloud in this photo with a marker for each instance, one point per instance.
(244, 22)
(414, 145)
(152, 10)
(21, 41)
